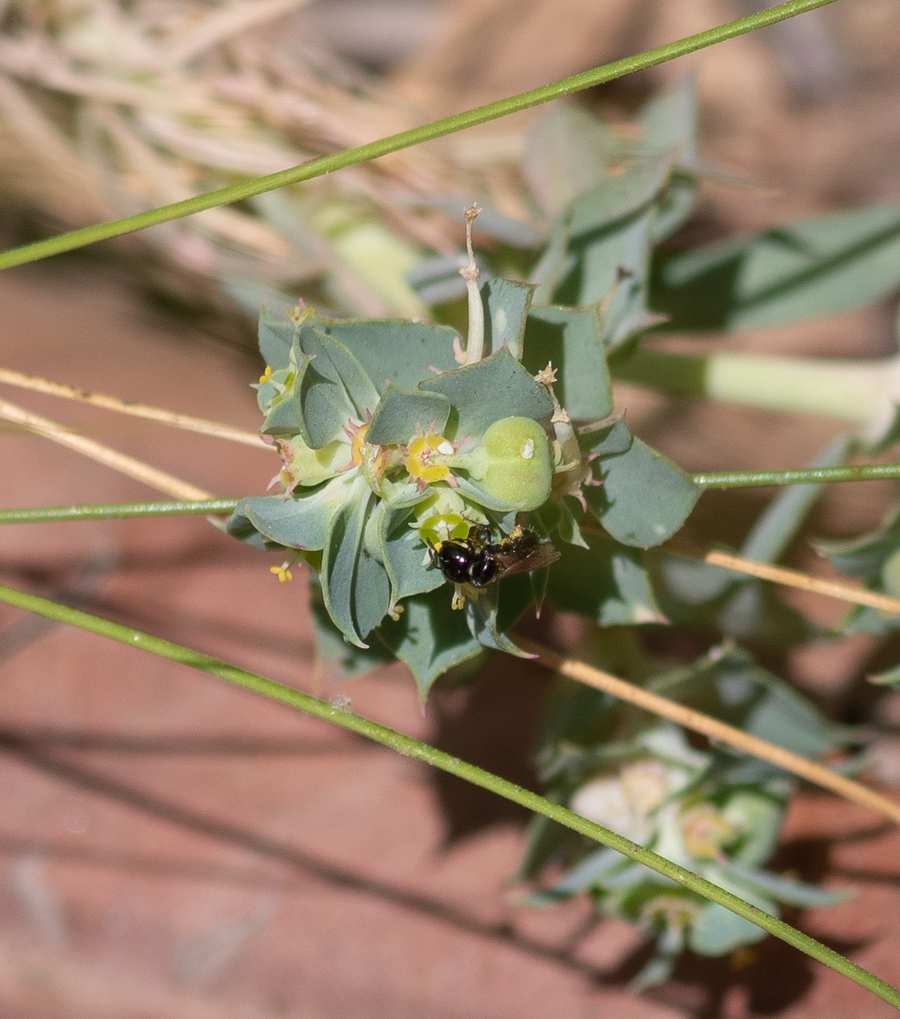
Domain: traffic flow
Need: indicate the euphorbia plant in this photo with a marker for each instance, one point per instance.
(397, 439)
(395, 442)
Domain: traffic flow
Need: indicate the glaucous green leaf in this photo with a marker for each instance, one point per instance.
(406, 558)
(335, 658)
(491, 221)
(495, 612)
(865, 556)
(283, 416)
(325, 408)
(497, 387)
(805, 269)
(607, 249)
(436, 279)
(670, 123)
(429, 637)
(402, 414)
(785, 890)
(400, 352)
(293, 521)
(608, 437)
(717, 931)
(606, 582)
(729, 685)
(643, 498)
(778, 524)
(506, 304)
(276, 335)
(336, 362)
(593, 870)
(693, 593)
(481, 615)
(567, 152)
(875, 558)
(753, 611)
(570, 339)
(696, 593)
(545, 841)
(355, 585)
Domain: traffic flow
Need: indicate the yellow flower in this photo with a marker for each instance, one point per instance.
(425, 459)
(282, 572)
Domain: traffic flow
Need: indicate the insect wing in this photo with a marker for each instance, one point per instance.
(522, 556)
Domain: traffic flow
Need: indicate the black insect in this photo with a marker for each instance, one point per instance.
(480, 562)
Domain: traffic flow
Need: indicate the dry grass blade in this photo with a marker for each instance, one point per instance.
(790, 578)
(127, 465)
(166, 417)
(147, 104)
(714, 729)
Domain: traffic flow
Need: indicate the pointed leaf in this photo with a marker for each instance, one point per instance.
(276, 335)
(335, 361)
(567, 152)
(406, 558)
(717, 931)
(355, 585)
(506, 305)
(325, 408)
(283, 416)
(497, 387)
(403, 413)
(787, 890)
(570, 339)
(436, 279)
(333, 654)
(644, 498)
(488, 625)
(400, 352)
(606, 582)
(806, 269)
(670, 123)
(429, 637)
(295, 522)
(608, 248)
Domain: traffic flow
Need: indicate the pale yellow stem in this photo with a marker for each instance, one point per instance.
(165, 417)
(714, 729)
(127, 465)
(790, 578)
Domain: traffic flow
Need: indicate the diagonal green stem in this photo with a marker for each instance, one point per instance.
(454, 766)
(406, 139)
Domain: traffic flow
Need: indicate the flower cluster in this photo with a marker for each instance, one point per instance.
(388, 448)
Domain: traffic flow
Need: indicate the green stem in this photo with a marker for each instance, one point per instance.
(798, 476)
(454, 766)
(406, 139)
(859, 391)
(127, 509)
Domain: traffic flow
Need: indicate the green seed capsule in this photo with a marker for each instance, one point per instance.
(518, 470)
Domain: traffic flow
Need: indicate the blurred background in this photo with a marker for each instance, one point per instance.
(173, 847)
